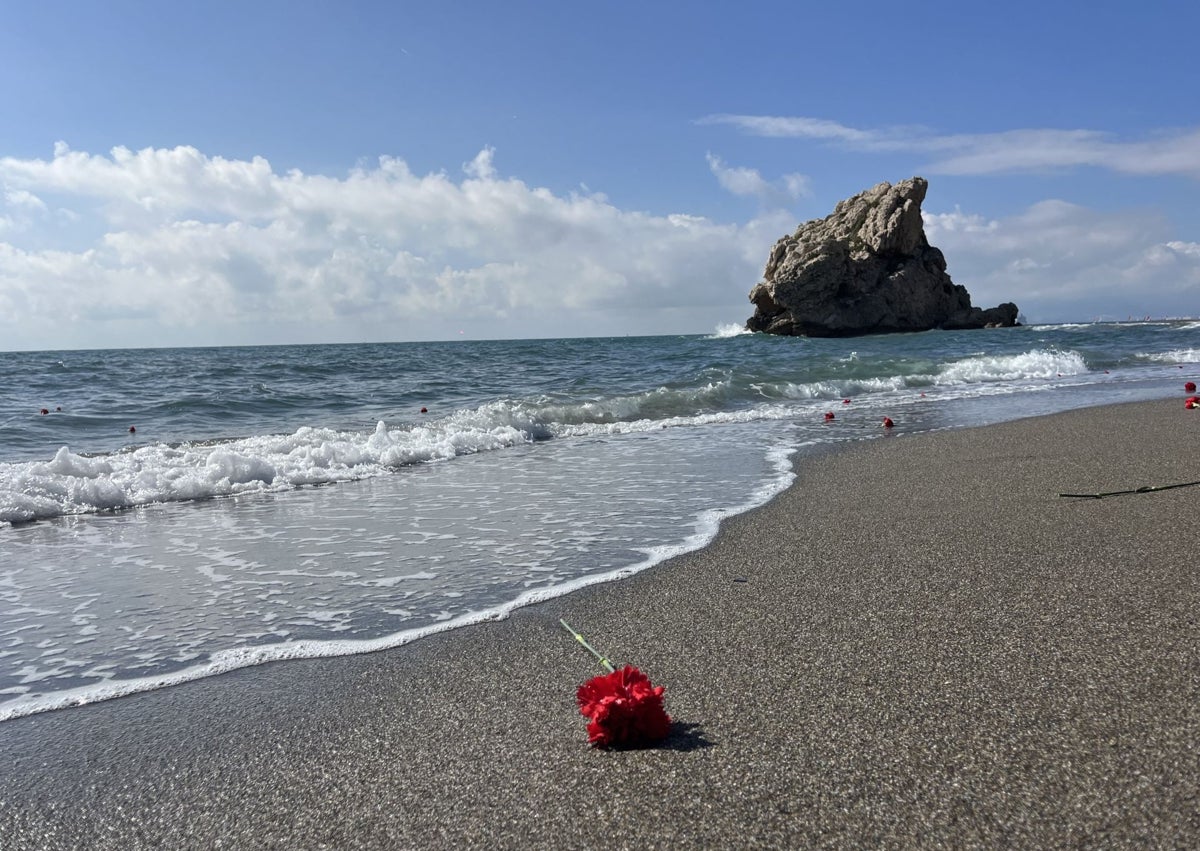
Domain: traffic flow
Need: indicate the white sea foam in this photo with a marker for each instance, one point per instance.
(979, 371)
(498, 495)
(730, 329)
(75, 484)
(1036, 364)
(759, 414)
(1174, 356)
(1066, 326)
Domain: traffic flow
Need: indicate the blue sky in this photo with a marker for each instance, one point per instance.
(270, 172)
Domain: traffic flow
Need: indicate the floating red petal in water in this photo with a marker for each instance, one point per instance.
(1190, 387)
(828, 416)
(44, 412)
(887, 422)
(845, 401)
(132, 429)
(424, 410)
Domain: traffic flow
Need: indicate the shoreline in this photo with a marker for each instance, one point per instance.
(703, 529)
(916, 643)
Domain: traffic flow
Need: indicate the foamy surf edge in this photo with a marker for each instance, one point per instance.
(705, 530)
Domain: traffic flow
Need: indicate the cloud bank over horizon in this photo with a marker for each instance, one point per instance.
(170, 246)
(1065, 262)
(183, 240)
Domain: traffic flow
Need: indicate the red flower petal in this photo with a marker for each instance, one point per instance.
(625, 709)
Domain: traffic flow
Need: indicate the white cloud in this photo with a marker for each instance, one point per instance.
(1186, 249)
(481, 167)
(23, 208)
(743, 181)
(793, 127)
(153, 182)
(797, 185)
(232, 249)
(1021, 150)
(24, 199)
(1061, 261)
(170, 246)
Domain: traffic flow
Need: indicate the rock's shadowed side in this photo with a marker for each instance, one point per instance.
(865, 269)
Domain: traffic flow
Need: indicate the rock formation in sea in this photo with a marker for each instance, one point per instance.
(865, 269)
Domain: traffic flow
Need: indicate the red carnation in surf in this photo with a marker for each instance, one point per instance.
(1189, 387)
(1191, 402)
(625, 709)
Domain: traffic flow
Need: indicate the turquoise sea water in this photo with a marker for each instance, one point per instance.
(292, 501)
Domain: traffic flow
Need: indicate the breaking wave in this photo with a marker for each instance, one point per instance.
(1175, 356)
(1035, 364)
(72, 483)
(730, 329)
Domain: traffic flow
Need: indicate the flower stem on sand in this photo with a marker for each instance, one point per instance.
(624, 709)
(607, 665)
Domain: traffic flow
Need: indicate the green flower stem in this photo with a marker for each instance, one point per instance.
(608, 666)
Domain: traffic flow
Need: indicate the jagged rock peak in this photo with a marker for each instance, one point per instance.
(866, 268)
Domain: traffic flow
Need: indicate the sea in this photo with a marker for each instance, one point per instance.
(172, 514)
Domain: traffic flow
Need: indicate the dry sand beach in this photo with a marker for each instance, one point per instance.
(919, 645)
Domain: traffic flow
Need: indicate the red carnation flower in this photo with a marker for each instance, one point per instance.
(625, 708)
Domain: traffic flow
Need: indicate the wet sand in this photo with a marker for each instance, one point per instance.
(920, 644)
